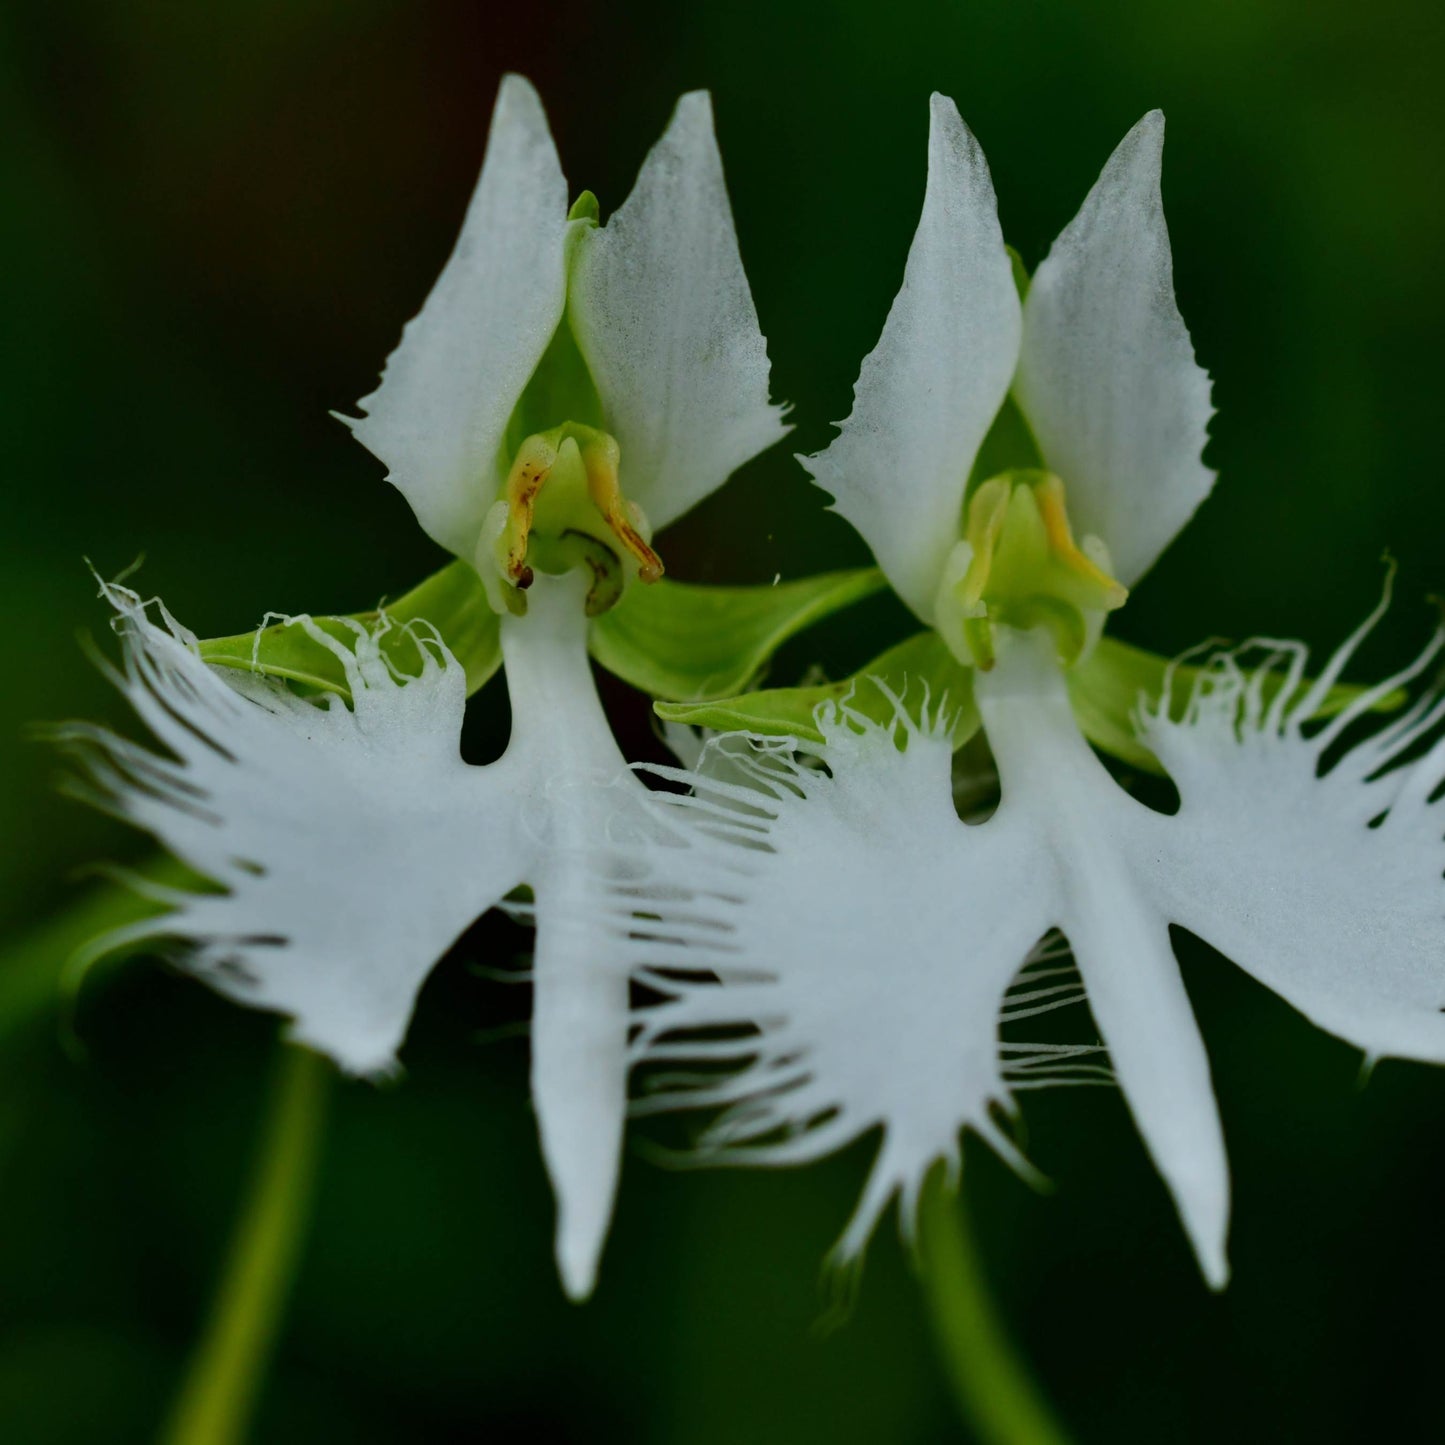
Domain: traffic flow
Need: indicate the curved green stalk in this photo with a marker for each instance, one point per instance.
(225, 1374)
(991, 1385)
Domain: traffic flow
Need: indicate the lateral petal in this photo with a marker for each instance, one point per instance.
(843, 938)
(928, 392)
(1107, 376)
(439, 417)
(1312, 856)
(661, 309)
(353, 845)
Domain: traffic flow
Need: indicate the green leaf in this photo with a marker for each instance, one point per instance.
(690, 643)
(791, 711)
(451, 600)
(1108, 686)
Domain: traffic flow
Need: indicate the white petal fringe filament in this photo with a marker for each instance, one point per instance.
(833, 933)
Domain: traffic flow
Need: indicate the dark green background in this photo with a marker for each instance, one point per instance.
(218, 216)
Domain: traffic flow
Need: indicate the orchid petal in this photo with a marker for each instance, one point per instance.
(867, 936)
(928, 392)
(1107, 376)
(353, 845)
(1319, 872)
(584, 818)
(579, 1068)
(1099, 844)
(662, 312)
(439, 417)
(870, 936)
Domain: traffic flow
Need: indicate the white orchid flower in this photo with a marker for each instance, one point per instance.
(566, 388)
(871, 938)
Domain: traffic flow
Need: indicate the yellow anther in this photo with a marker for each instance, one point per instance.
(601, 458)
(987, 512)
(530, 469)
(1049, 495)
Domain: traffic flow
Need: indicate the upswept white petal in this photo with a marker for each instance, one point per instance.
(353, 845)
(866, 936)
(1107, 376)
(1316, 870)
(440, 414)
(928, 392)
(662, 312)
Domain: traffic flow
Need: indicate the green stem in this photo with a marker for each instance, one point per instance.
(992, 1386)
(225, 1374)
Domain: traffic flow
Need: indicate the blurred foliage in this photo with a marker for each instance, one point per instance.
(219, 217)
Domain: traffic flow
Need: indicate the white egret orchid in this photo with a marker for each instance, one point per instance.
(841, 933)
(566, 388)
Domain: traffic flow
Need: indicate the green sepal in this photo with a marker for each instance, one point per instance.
(451, 600)
(905, 670)
(561, 389)
(685, 642)
(1020, 272)
(1109, 685)
(1009, 446)
(585, 208)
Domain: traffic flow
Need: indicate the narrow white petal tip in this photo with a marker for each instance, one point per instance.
(517, 90)
(1204, 1209)
(942, 109)
(1141, 151)
(693, 108)
(579, 1252)
(1216, 1270)
(579, 1050)
(949, 135)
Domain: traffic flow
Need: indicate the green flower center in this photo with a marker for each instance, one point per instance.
(562, 507)
(1018, 565)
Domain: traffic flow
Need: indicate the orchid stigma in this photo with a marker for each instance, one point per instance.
(567, 388)
(837, 929)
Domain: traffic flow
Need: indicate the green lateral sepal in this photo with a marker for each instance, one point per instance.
(922, 667)
(688, 643)
(452, 601)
